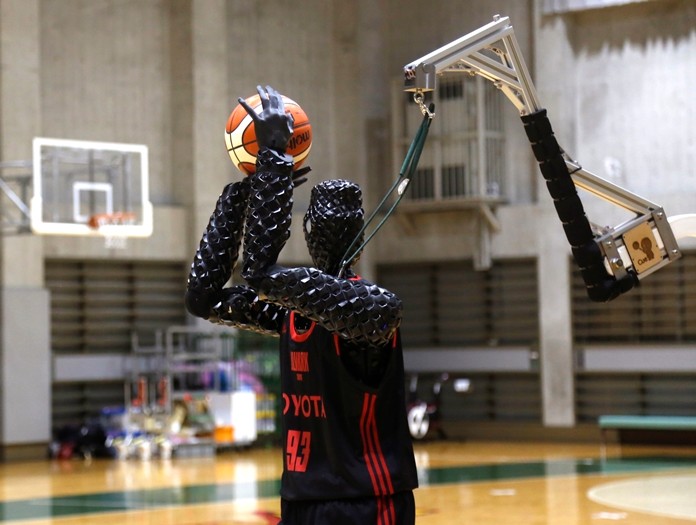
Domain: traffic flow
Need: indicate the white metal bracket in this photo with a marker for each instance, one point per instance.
(492, 52)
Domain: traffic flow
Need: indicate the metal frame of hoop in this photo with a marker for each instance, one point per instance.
(109, 226)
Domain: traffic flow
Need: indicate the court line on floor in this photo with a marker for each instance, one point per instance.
(123, 501)
(670, 496)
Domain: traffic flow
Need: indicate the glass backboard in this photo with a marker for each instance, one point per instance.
(90, 188)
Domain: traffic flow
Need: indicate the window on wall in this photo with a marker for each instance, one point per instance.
(500, 396)
(463, 155)
(453, 305)
(76, 403)
(656, 394)
(97, 305)
(662, 309)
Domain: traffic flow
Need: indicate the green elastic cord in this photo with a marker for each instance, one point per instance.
(408, 169)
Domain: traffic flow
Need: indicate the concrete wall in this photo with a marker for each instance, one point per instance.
(166, 73)
(24, 334)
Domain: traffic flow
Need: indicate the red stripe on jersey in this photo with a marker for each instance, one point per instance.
(375, 462)
(392, 510)
(371, 440)
(387, 512)
(366, 448)
(378, 449)
(380, 511)
(337, 344)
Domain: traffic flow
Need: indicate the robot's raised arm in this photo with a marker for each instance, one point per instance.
(609, 263)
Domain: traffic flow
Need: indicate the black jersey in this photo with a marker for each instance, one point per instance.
(341, 439)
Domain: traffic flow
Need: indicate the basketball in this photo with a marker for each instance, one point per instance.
(240, 135)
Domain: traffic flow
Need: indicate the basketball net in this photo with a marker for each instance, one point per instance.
(107, 224)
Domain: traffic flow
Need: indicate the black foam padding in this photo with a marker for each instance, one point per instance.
(601, 286)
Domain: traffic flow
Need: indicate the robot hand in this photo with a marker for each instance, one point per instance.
(199, 303)
(239, 306)
(273, 125)
(299, 176)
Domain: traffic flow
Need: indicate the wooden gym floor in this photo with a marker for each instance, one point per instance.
(461, 483)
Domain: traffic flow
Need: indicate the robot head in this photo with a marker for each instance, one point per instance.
(333, 219)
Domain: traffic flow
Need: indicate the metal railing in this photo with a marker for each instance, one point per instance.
(15, 188)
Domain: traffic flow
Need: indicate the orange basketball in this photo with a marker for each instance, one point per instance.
(240, 135)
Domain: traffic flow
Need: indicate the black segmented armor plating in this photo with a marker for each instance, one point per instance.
(332, 222)
(357, 310)
(219, 248)
(267, 221)
(344, 440)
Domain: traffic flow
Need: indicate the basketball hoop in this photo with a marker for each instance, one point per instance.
(109, 226)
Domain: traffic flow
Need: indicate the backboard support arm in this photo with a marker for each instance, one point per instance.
(613, 260)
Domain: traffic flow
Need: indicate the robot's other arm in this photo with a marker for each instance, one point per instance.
(214, 263)
(239, 306)
(356, 310)
(218, 250)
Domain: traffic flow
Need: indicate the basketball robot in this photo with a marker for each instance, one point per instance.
(348, 456)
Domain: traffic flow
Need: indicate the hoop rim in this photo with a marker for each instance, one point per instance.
(119, 218)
